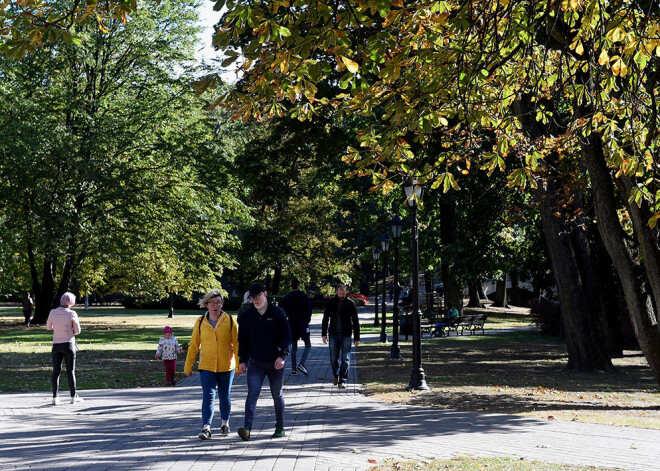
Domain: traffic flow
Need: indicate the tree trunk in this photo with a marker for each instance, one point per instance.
(277, 279)
(473, 287)
(501, 294)
(453, 289)
(47, 293)
(480, 290)
(638, 299)
(570, 261)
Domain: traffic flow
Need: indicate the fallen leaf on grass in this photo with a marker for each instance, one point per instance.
(371, 460)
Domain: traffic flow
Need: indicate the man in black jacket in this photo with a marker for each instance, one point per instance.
(264, 338)
(340, 319)
(299, 312)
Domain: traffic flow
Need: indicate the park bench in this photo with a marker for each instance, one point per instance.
(470, 322)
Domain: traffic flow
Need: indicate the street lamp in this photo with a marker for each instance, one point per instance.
(414, 192)
(396, 225)
(384, 246)
(376, 254)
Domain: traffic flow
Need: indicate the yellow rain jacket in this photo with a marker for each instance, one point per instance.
(217, 348)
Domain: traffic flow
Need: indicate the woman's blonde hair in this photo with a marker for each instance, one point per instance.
(214, 293)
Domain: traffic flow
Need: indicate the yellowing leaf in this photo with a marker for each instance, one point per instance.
(352, 66)
(604, 57)
(579, 49)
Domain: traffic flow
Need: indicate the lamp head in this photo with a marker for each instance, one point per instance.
(376, 253)
(414, 193)
(384, 244)
(396, 226)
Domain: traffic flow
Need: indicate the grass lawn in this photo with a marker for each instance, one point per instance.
(519, 372)
(116, 351)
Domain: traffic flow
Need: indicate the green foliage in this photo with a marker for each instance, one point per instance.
(108, 172)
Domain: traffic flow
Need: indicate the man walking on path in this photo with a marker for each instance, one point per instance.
(299, 313)
(340, 319)
(264, 338)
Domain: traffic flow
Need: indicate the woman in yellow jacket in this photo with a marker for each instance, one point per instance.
(215, 338)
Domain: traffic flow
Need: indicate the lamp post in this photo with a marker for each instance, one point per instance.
(384, 248)
(376, 254)
(414, 192)
(396, 226)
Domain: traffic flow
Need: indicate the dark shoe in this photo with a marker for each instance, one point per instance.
(342, 385)
(173, 383)
(279, 432)
(303, 370)
(294, 372)
(335, 381)
(168, 383)
(224, 430)
(244, 433)
(205, 434)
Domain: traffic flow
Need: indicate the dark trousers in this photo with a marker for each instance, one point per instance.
(256, 373)
(67, 352)
(170, 369)
(294, 350)
(27, 313)
(340, 356)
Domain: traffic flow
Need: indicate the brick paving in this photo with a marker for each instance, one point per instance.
(327, 429)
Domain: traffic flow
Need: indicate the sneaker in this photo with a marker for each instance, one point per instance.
(294, 372)
(244, 433)
(279, 432)
(205, 434)
(342, 386)
(173, 383)
(168, 383)
(76, 398)
(303, 370)
(224, 430)
(335, 380)
(56, 401)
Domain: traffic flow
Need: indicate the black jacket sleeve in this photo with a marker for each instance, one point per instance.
(326, 319)
(285, 338)
(356, 322)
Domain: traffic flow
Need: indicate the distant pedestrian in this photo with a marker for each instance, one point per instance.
(215, 338)
(299, 313)
(340, 320)
(65, 326)
(264, 339)
(28, 305)
(168, 347)
(247, 303)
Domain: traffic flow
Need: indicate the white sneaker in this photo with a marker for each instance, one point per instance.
(76, 398)
(56, 401)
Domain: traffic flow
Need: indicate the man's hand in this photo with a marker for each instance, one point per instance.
(279, 363)
(242, 368)
(156, 356)
(325, 339)
(188, 375)
(356, 343)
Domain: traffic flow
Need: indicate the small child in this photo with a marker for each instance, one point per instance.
(168, 347)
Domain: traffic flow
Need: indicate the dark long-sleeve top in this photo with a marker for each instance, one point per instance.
(264, 336)
(299, 312)
(347, 313)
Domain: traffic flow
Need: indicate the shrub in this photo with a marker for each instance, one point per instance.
(546, 315)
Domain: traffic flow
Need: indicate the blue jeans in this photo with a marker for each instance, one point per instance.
(340, 344)
(256, 373)
(209, 381)
(294, 350)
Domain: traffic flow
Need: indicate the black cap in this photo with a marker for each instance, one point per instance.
(256, 289)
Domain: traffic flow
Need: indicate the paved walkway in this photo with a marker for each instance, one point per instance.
(327, 429)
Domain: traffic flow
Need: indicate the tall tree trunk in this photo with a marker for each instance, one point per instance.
(641, 307)
(277, 279)
(569, 257)
(501, 294)
(48, 292)
(473, 288)
(453, 288)
(480, 290)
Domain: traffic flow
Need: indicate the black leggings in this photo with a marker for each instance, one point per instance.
(67, 352)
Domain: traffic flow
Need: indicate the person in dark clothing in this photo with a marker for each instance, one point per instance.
(264, 339)
(28, 304)
(299, 313)
(340, 320)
